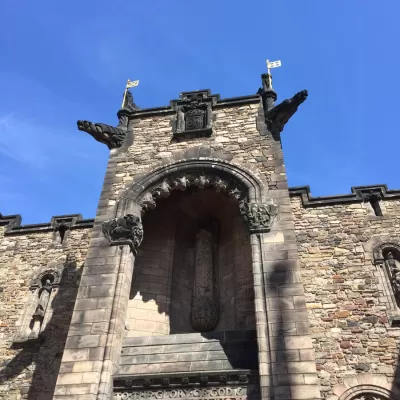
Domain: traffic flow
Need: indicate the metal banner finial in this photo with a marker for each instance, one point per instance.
(270, 65)
(129, 84)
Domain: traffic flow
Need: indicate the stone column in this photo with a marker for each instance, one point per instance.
(286, 356)
(93, 345)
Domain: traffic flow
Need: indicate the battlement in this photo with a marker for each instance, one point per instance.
(358, 194)
(13, 223)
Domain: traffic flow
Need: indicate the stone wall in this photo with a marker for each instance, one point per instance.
(29, 369)
(166, 259)
(235, 131)
(346, 301)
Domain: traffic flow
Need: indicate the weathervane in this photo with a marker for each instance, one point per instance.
(270, 65)
(129, 84)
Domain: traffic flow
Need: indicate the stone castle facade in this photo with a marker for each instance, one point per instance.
(203, 275)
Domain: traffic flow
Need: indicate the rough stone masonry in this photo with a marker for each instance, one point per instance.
(203, 275)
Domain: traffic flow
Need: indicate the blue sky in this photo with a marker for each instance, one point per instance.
(67, 60)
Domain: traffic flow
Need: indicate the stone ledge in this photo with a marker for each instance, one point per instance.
(220, 103)
(188, 338)
(238, 376)
(355, 197)
(13, 224)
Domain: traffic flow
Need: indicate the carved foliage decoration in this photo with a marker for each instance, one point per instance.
(124, 230)
(258, 217)
(205, 313)
(184, 182)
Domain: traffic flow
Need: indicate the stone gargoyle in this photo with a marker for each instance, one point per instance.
(112, 136)
(277, 117)
(109, 135)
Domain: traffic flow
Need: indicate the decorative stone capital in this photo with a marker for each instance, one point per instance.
(124, 230)
(258, 217)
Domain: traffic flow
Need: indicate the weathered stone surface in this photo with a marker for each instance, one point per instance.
(30, 369)
(339, 272)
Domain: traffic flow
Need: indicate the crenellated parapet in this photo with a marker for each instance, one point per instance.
(358, 194)
(59, 223)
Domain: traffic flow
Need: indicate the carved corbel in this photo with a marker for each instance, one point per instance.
(147, 202)
(258, 217)
(126, 230)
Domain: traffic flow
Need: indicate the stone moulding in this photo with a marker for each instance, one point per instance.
(219, 104)
(186, 379)
(13, 224)
(358, 195)
(355, 387)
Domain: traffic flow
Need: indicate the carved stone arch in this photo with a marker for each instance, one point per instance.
(53, 274)
(255, 188)
(257, 210)
(366, 386)
(381, 250)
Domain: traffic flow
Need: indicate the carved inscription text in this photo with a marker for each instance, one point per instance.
(216, 393)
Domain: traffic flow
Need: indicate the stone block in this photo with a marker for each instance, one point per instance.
(305, 367)
(90, 377)
(205, 365)
(69, 379)
(83, 366)
(75, 355)
(304, 392)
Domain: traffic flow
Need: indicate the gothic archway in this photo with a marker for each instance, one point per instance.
(257, 210)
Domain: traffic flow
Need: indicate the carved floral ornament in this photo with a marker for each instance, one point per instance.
(128, 229)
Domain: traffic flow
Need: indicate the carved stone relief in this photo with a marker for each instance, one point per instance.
(205, 313)
(258, 217)
(184, 182)
(194, 113)
(124, 230)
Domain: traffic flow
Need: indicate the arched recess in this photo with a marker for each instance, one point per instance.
(246, 190)
(384, 253)
(366, 387)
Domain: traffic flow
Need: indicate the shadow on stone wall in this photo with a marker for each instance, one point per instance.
(280, 376)
(34, 369)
